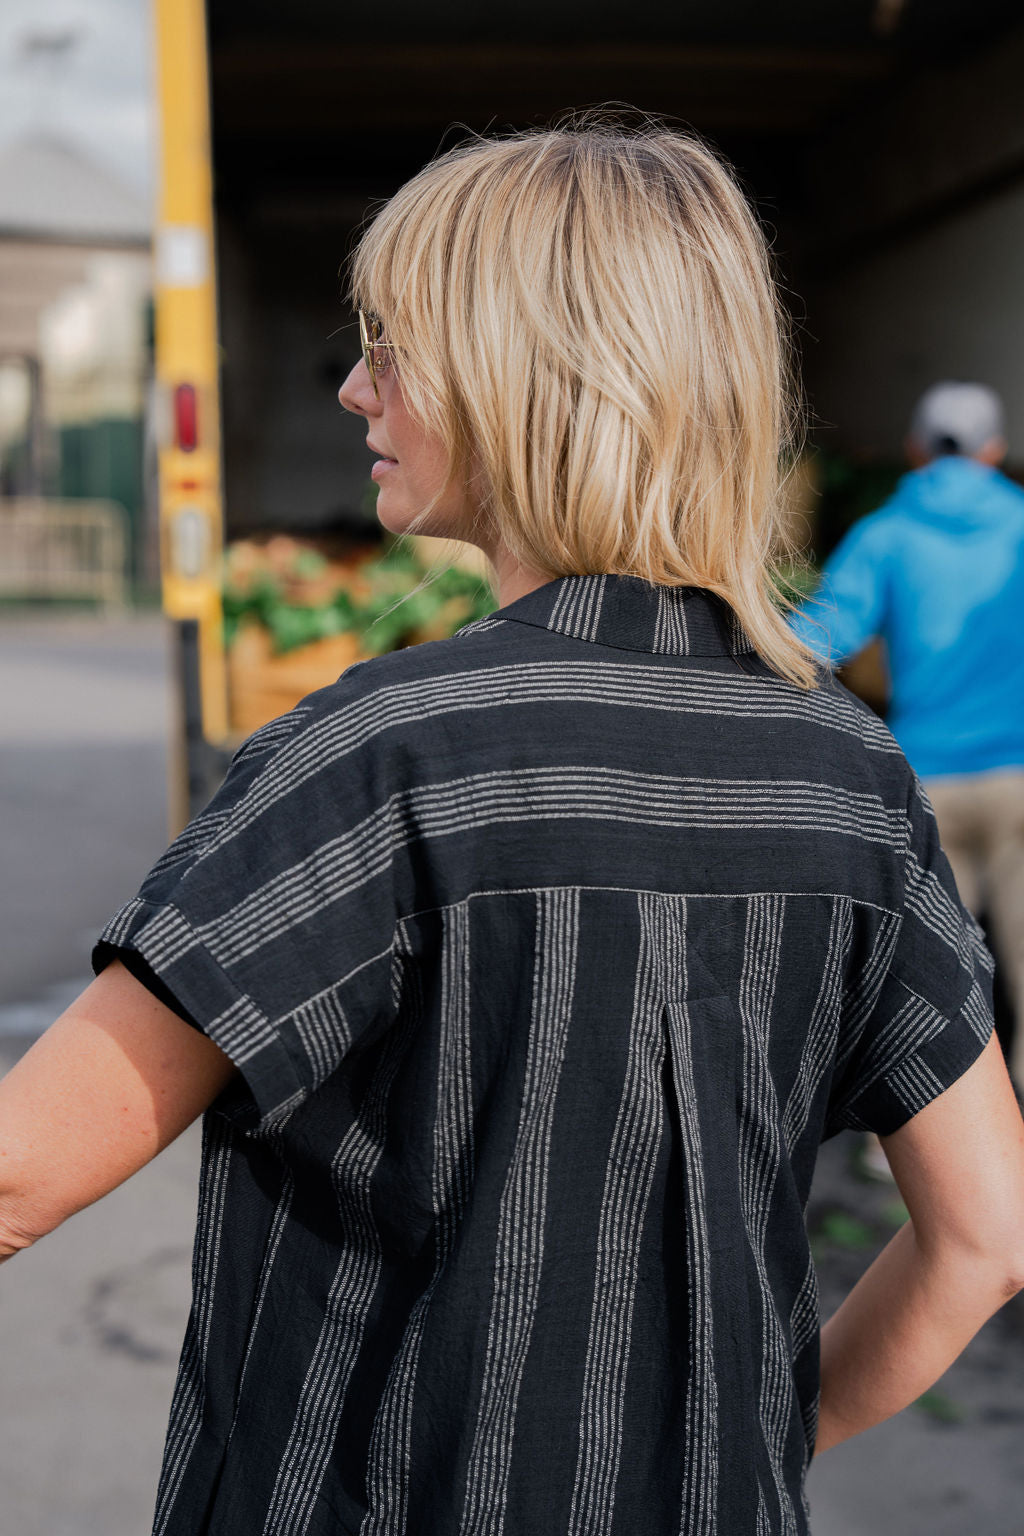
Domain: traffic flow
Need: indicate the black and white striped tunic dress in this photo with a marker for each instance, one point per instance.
(549, 954)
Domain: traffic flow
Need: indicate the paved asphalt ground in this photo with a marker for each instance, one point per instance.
(91, 1319)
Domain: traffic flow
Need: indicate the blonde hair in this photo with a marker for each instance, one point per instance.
(586, 318)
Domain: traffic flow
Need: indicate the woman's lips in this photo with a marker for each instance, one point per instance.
(383, 464)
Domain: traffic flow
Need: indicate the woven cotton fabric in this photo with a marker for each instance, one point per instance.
(548, 955)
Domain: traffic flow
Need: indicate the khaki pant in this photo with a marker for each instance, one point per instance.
(981, 824)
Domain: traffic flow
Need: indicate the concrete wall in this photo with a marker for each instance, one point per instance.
(912, 248)
(947, 302)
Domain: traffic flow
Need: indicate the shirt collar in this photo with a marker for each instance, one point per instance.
(633, 615)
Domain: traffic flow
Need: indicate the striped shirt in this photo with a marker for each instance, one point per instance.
(548, 954)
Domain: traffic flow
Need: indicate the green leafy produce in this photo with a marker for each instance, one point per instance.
(796, 580)
(896, 1213)
(388, 601)
(946, 1410)
(845, 1231)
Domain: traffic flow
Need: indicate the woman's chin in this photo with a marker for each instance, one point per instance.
(401, 522)
(395, 518)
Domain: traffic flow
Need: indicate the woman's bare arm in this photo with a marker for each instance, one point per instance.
(115, 1079)
(959, 1166)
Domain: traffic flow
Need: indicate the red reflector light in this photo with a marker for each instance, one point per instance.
(186, 428)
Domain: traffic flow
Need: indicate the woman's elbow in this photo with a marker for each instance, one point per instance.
(995, 1267)
(980, 1265)
(1014, 1282)
(1001, 1251)
(20, 1227)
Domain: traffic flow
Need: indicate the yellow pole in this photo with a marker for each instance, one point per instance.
(191, 516)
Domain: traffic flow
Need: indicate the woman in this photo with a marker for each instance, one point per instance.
(525, 972)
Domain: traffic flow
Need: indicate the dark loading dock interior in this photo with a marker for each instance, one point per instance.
(859, 128)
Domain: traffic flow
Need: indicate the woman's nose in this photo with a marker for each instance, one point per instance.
(356, 394)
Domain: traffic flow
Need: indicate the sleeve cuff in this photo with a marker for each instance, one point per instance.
(210, 999)
(897, 1094)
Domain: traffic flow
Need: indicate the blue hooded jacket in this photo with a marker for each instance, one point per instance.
(938, 573)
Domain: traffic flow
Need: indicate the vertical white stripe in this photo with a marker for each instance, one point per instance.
(760, 1157)
(323, 1030)
(187, 1404)
(314, 1429)
(863, 995)
(577, 608)
(630, 1171)
(819, 1047)
(660, 624)
(390, 1444)
(803, 1319)
(581, 621)
(598, 602)
(670, 629)
(520, 1250)
(279, 1222)
(684, 629)
(700, 1463)
(564, 606)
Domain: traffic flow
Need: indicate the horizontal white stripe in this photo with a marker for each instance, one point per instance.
(342, 865)
(634, 686)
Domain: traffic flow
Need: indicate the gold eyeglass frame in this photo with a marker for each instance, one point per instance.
(370, 329)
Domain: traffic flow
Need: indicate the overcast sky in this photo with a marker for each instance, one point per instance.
(81, 69)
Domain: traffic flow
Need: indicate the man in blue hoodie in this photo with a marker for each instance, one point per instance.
(938, 574)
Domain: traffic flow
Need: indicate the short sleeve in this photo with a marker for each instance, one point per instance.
(919, 1011)
(270, 920)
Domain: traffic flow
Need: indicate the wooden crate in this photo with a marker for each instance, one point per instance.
(262, 686)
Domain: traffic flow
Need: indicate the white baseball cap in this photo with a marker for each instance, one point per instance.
(957, 418)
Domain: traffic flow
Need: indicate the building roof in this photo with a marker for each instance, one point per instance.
(49, 188)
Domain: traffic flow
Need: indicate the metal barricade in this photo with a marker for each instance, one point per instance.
(63, 549)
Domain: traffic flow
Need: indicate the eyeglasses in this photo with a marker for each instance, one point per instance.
(376, 351)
